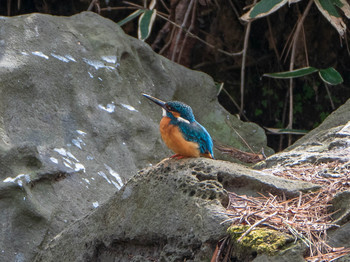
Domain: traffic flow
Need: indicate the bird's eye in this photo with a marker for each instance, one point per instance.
(168, 107)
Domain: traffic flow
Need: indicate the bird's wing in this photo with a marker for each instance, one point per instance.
(195, 132)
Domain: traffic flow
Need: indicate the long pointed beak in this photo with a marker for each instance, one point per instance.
(155, 100)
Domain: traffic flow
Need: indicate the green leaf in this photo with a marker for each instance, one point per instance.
(263, 8)
(258, 112)
(282, 131)
(294, 73)
(344, 6)
(329, 11)
(330, 76)
(152, 4)
(131, 17)
(146, 21)
(328, 6)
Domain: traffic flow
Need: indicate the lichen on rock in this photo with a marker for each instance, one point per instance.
(259, 240)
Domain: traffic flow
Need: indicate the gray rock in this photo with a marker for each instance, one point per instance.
(170, 212)
(73, 125)
(340, 237)
(329, 142)
(163, 213)
(341, 207)
(290, 254)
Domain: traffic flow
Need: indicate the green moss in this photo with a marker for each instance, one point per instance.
(260, 240)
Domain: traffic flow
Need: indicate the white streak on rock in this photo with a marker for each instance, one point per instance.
(54, 160)
(115, 175)
(70, 58)
(41, 54)
(59, 57)
(102, 174)
(129, 107)
(61, 151)
(109, 59)
(18, 179)
(76, 143)
(69, 154)
(110, 108)
(81, 132)
(79, 167)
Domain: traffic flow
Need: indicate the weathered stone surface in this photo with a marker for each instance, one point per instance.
(340, 237)
(74, 129)
(164, 213)
(329, 142)
(170, 212)
(341, 207)
(291, 254)
(73, 124)
(242, 180)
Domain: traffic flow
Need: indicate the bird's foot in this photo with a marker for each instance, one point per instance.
(177, 156)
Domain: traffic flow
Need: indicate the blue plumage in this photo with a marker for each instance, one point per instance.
(192, 131)
(184, 110)
(181, 116)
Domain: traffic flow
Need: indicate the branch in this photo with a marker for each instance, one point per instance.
(200, 39)
(255, 225)
(291, 66)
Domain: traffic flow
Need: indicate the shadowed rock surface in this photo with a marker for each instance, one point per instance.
(74, 126)
(74, 129)
(329, 142)
(171, 212)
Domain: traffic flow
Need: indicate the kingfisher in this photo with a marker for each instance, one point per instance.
(181, 132)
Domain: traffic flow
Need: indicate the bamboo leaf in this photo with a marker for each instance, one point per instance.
(344, 6)
(329, 11)
(263, 8)
(146, 21)
(293, 1)
(152, 4)
(282, 131)
(294, 73)
(331, 76)
(131, 17)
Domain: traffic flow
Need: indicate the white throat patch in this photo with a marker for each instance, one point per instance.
(180, 119)
(183, 120)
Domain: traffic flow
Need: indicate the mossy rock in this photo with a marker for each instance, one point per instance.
(258, 241)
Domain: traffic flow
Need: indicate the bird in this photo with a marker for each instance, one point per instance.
(181, 132)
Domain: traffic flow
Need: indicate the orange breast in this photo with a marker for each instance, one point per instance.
(173, 138)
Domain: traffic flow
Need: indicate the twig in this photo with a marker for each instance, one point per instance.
(200, 39)
(273, 40)
(109, 8)
(184, 22)
(329, 96)
(164, 5)
(193, 18)
(245, 142)
(291, 66)
(9, 7)
(347, 45)
(289, 43)
(169, 42)
(141, 7)
(92, 3)
(305, 47)
(231, 98)
(235, 11)
(253, 226)
(244, 57)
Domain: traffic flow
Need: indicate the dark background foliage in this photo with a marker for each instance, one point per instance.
(217, 23)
